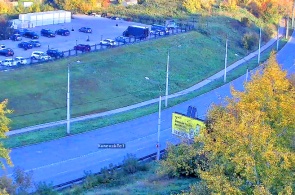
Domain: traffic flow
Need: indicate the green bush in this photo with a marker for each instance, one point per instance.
(245, 22)
(130, 164)
(90, 180)
(268, 32)
(250, 40)
(42, 188)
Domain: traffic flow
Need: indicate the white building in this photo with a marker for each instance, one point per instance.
(41, 18)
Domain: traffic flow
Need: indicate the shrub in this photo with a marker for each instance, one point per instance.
(130, 164)
(7, 184)
(249, 40)
(268, 32)
(245, 22)
(183, 160)
(22, 180)
(90, 180)
(42, 188)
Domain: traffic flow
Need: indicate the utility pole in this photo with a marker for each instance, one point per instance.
(278, 39)
(292, 23)
(159, 129)
(287, 27)
(225, 61)
(247, 74)
(68, 102)
(259, 45)
(167, 81)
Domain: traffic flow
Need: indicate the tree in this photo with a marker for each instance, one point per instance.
(249, 141)
(4, 122)
(5, 7)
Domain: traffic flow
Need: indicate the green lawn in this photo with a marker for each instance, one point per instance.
(112, 78)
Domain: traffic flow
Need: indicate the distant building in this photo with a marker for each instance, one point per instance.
(31, 20)
(129, 2)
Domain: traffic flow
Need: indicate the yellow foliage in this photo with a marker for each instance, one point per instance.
(249, 139)
(4, 122)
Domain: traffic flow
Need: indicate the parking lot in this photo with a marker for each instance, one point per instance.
(102, 28)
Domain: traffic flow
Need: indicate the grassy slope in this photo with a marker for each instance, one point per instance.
(115, 78)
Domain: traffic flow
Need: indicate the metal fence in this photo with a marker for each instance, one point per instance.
(182, 28)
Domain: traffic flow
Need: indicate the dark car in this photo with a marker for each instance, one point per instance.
(31, 34)
(20, 31)
(122, 39)
(16, 37)
(55, 53)
(47, 33)
(85, 30)
(25, 45)
(159, 30)
(35, 43)
(6, 52)
(82, 47)
(63, 32)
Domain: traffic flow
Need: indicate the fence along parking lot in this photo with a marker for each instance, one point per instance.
(97, 47)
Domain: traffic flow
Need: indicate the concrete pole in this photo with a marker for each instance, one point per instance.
(278, 39)
(292, 23)
(259, 45)
(287, 28)
(167, 81)
(159, 129)
(225, 61)
(68, 102)
(247, 74)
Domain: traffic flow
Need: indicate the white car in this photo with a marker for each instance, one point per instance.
(108, 42)
(2, 46)
(20, 60)
(40, 55)
(8, 62)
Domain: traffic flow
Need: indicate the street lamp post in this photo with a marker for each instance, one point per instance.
(167, 81)
(68, 102)
(159, 129)
(259, 45)
(278, 40)
(225, 61)
(247, 74)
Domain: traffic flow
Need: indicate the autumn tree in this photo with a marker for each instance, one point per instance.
(249, 141)
(5, 7)
(4, 122)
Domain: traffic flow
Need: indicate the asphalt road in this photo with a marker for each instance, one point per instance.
(65, 159)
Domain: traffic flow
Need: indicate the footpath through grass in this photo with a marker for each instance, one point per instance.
(83, 126)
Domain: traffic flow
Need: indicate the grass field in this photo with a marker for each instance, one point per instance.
(88, 125)
(115, 78)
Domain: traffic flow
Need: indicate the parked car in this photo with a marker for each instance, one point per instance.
(6, 52)
(82, 47)
(138, 32)
(16, 37)
(63, 32)
(47, 33)
(25, 45)
(159, 30)
(85, 30)
(31, 35)
(8, 62)
(115, 18)
(55, 53)
(20, 31)
(39, 55)
(35, 43)
(2, 46)
(20, 61)
(108, 42)
(171, 24)
(122, 39)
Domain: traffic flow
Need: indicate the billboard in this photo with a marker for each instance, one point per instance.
(185, 126)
